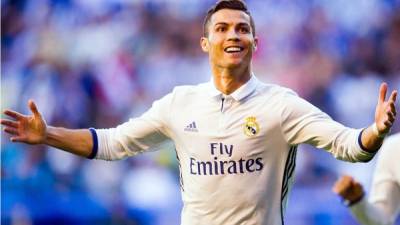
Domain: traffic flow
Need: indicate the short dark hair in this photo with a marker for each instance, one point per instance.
(227, 4)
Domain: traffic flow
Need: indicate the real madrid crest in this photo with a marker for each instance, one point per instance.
(251, 127)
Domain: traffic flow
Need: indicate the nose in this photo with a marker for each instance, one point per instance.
(233, 35)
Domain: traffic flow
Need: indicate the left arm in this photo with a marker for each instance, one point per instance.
(304, 123)
(385, 115)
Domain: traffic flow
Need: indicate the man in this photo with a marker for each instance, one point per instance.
(383, 205)
(235, 137)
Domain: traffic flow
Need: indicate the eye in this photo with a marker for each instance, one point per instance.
(244, 30)
(220, 29)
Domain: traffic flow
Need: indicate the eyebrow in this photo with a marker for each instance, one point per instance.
(226, 24)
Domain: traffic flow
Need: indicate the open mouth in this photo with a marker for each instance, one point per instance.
(233, 49)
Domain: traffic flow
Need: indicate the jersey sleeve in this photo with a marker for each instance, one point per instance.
(383, 204)
(137, 135)
(304, 123)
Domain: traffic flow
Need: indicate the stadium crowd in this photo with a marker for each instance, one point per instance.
(99, 62)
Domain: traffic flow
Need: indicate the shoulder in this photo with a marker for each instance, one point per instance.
(185, 93)
(290, 103)
(187, 90)
(274, 90)
(281, 96)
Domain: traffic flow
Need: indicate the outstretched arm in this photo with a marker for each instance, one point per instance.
(32, 129)
(304, 123)
(385, 115)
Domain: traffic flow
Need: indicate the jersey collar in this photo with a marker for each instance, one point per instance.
(241, 93)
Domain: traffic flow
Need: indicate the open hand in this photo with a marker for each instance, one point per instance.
(385, 112)
(30, 129)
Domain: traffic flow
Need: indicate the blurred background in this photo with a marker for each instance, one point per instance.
(96, 63)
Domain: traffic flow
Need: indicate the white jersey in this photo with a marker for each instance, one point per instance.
(383, 204)
(236, 153)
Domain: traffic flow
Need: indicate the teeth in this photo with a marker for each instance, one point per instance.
(233, 49)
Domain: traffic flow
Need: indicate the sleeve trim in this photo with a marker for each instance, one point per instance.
(93, 154)
(360, 141)
(366, 152)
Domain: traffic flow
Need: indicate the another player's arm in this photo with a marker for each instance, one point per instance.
(32, 129)
(382, 212)
(385, 115)
(349, 190)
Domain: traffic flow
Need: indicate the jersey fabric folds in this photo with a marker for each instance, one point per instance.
(237, 152)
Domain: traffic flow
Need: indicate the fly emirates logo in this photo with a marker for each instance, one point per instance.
(228, 165)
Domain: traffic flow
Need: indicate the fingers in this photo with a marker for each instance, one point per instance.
(33, 108)
(9, 123)
(382, 92)
(392, 100)
(14, 114)
(342, 185)
(392, 108)
(388, 124)
(391, 116)
(386, 110)
(11, 130)
(393, 96)
(19, 116)
(17, 139)
(349, 189)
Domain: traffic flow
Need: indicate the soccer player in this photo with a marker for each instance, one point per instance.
(235, 137)
(383, 204)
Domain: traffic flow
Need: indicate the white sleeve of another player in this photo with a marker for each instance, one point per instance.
(138, 134)
(383, 205)
(304, 123)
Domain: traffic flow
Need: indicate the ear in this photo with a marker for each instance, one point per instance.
(204, 44)
(255, 44)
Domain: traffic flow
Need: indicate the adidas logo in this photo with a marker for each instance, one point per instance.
(191, 127)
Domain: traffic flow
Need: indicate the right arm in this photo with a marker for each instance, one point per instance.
(77, 141)
(32, 129)
(130, 138)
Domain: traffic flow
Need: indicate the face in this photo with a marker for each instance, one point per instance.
(230, 42)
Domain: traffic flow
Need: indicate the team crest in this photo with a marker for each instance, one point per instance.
(251, 127)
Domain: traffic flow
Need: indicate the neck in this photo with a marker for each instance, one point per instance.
(229, 80)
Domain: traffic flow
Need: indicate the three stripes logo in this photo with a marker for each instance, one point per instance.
(191, 127)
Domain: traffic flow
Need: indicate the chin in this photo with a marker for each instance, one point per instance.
(231, 64)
